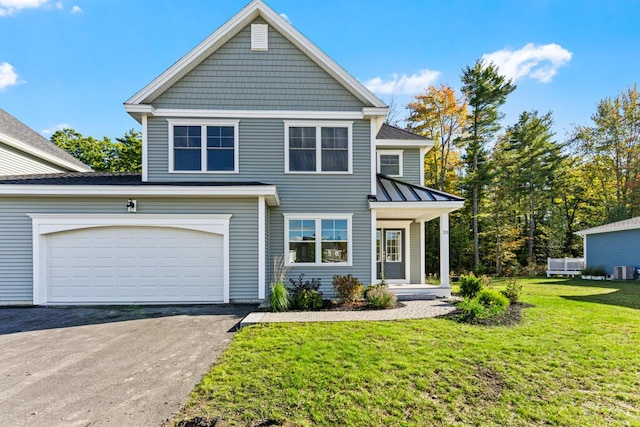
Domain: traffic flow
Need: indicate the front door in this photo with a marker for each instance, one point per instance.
(390, 253)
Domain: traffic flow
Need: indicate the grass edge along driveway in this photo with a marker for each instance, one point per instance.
(573, 361)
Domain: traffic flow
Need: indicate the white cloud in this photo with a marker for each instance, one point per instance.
(286, 17)
(10, 7)
(8, 75)
(403, 85)
(537, 62)
(76, 9)
(60, 126)
(59, 5)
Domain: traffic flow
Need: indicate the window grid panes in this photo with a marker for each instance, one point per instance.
(334, 240)
(204, 148)
(331, 246)
(318, 149)
(335, 149)
(220, 148)
(302, 149)
(187, 146)
(390, 164)
(393, 245)
(378, 246)
(302, 241)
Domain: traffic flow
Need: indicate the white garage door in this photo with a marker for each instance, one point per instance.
(123, 264)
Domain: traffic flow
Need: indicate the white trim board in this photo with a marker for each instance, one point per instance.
(45, 224)
(231, 191)
(148, 110)
(399, 153)
(406, 226)
(204, 149)
(243, 18)
(318, 125)
(318, 242)
(43, 155)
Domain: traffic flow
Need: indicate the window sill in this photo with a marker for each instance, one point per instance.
(201, 172)
(317, 173)
(325, 264)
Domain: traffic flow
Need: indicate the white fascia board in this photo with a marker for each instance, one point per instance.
(251, 11)
(268, 191)
(371, 112)
(400, 143)
(450, 206)
(598, 230)
(51, 158)
(255, 114)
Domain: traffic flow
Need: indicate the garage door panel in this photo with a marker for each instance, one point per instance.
(134, 264)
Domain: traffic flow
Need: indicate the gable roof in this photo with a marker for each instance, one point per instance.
(627, 224)
(19, 136)
(395, 133)
(257, 8)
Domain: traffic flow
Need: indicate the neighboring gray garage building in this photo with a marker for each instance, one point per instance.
(613, 245)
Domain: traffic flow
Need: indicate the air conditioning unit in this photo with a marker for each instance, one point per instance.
(623, 273)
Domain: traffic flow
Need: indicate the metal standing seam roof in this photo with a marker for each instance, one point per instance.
(626, 224)
(393, 190)
(395, 133)
(14, 128)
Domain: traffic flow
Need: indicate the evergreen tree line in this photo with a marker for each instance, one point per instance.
(527, 192)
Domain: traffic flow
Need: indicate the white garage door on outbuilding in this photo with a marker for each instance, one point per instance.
(127, 259)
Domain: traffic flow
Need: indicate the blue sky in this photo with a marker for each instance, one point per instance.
(74, 62)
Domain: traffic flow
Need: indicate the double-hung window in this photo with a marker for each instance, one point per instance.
(317, 239)
(208, 146)
(318, 147)
(390, 162)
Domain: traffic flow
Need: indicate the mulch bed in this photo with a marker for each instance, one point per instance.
(512, 316)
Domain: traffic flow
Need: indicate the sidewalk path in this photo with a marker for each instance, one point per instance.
(411, 310)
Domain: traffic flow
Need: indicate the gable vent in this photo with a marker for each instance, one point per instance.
(259, 37)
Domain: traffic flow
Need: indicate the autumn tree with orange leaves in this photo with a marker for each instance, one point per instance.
(439, 115)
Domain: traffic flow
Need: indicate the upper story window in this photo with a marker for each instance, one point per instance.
(318, 147)
(203, 146)
(390, 162)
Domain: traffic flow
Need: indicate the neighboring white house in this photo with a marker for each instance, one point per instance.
(24, 151)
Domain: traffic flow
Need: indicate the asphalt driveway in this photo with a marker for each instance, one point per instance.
(124, 366)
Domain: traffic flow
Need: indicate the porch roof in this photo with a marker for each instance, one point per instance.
(399, 199)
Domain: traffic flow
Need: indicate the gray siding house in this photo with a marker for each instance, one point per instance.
(256, 144)
(24, 151)
(613, 245)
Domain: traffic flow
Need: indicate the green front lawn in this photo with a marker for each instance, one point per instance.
(574, 360)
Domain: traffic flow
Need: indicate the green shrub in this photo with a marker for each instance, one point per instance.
(380, 297)
(513, 291)
(307, 299)
(279, 297)
(305, 294)
(472, 309)
(598, 271)
(493, 300)
(348, 288)
(470, 286)
(587, 271)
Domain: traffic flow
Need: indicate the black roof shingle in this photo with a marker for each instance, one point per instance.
(102, 178)
(391, 132)
(14, 128)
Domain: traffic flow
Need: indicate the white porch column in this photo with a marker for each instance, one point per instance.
(444, 250)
